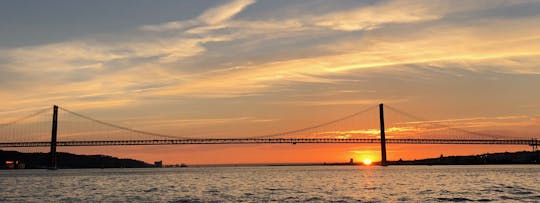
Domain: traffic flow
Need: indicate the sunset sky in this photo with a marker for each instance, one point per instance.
(240, 68)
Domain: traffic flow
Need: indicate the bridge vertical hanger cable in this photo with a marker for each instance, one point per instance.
(451, 130)
(29, 128)
(315, 127)
(130, 130)
(22, 129)
(24, 118)
(312, 130)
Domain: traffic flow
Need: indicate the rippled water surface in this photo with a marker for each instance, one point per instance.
(519, 183)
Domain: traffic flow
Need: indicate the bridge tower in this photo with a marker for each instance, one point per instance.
(52, 153)
(383, 139)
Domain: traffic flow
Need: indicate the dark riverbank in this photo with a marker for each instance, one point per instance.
(14, 159)
(67, 160)
(491, 158)
(523, 157)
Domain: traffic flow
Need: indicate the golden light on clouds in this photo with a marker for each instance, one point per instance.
(246, 67)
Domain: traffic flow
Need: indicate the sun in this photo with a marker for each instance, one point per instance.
(367, 161)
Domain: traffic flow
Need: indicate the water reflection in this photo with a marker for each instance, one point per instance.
(256, 184)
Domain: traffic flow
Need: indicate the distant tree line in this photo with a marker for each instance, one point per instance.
(67, 160)
(494, 158)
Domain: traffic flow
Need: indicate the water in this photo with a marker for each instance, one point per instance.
(519, 183)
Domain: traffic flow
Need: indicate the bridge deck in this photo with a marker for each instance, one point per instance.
(530, 142)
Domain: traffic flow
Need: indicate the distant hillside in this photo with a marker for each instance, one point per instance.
(67, 160)
(494, 158)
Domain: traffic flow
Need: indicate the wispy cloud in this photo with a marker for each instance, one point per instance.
(356, 102)
(372, 17)
(224, 12)
(212, 16)
(220, 54)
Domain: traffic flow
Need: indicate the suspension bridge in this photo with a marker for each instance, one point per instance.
(27, 132)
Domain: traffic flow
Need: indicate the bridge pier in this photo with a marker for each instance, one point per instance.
(383, 139)
(52, 153)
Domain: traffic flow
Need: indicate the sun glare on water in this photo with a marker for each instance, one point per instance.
(367, 162)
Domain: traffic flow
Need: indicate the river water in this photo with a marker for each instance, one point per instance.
(498, 183)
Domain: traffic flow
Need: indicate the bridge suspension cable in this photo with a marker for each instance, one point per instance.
(318, 125)
(419, 119)
(39, 112)
(35, 126)
(121, 127)
(301, 130)
(271, 138)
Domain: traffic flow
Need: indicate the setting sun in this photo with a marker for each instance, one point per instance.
(367, 162)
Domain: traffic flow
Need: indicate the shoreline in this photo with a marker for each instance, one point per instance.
(28, 161)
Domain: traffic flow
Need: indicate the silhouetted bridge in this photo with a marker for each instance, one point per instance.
(160, 139)
(530, 142)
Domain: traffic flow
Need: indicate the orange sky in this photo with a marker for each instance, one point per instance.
(282, 153)
(285, 153)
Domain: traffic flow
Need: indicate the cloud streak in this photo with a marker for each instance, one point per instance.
(220, 54)
(372, 17)
(224, 12)
(212, 16)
